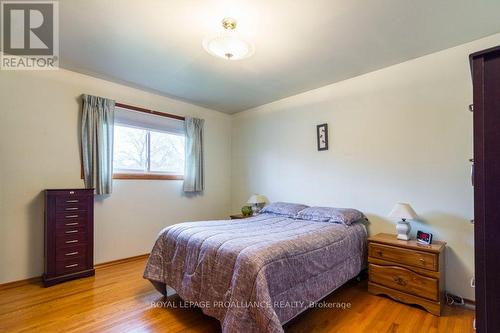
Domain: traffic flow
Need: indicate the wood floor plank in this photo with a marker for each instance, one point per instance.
(118, 299)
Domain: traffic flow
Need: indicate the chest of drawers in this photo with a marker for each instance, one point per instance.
(69, 235)
(406, 271)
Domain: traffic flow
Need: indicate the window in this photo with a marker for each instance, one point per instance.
(146, 147)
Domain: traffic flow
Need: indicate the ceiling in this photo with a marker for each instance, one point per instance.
(300, 45)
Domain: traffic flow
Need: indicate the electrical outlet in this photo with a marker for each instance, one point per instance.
(454, 299)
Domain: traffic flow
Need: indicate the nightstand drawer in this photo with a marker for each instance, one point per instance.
(404, 256)
(405, 280)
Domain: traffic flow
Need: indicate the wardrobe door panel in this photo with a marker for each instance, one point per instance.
(486, 80)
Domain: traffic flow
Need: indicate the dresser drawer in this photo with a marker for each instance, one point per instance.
(68, 215)
(71, 216)
(404, 256)
(63, 201)
(404, 280)
(71, 231)
(71, 252)
(69, 240)
(75, 222)
(72, 207)
(72, 203)
(71, 265)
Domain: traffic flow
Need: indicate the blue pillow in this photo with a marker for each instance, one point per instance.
(329, 214)
(283, 209)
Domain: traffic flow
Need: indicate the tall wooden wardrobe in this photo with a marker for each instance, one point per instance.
(486, 176)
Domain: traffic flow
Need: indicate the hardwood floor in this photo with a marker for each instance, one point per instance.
(117, 299)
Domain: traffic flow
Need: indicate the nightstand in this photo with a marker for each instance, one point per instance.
(407, 271)
(239, 216)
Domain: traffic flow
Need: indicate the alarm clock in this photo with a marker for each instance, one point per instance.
(424, 237)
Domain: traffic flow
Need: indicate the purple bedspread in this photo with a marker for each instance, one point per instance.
(256, 274)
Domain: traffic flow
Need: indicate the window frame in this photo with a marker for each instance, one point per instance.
(137, 175)
(148, 175)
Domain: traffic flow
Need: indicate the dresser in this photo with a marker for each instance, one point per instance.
(69, 235)
(407, 271)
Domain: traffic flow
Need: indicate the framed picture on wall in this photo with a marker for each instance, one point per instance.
(322, 133)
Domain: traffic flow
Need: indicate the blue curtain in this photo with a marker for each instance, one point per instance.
(194, 172)
(97, 143)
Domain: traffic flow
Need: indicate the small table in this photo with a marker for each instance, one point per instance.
(238, 216)
(407, 271)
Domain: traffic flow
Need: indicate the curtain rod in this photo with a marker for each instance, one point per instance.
(156, 113)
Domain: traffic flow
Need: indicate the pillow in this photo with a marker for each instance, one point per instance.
(329, 214)
(283, 208)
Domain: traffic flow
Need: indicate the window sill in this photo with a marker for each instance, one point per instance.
(147, 176)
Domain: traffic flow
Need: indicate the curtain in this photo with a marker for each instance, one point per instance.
(97, 143)
(194, 171)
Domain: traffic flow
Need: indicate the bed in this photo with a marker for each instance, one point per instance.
(258, 273)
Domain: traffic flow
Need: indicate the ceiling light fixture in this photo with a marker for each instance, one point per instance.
(227, 44)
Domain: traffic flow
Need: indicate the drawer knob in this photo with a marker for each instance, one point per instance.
(422, 260)
(72, 253)
(72, 265)
(71, 231)
(72, 208)
(71, 201)
(72, 241)
(71, 216)
(399, 281)
(380, 253)
(70, 224)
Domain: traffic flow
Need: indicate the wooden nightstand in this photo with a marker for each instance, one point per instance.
(407, 271)
(239, 216)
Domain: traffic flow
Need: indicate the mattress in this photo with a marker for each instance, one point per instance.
(256, 274)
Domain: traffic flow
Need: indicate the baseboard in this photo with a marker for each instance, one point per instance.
(120, 261)
(469, 301)
(38, 279)
(469, 304)
(20, 283)
(47, 282)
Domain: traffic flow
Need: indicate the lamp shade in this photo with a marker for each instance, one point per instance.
(403, 211)
(257, 199)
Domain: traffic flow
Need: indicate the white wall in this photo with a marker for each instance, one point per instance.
(398, 134)
(402, 133)
(39, 149)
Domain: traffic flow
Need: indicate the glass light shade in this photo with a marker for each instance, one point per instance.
(257, 199)
(228, 46)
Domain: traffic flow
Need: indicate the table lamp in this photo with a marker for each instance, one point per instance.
(404, 212)
(257, 201)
